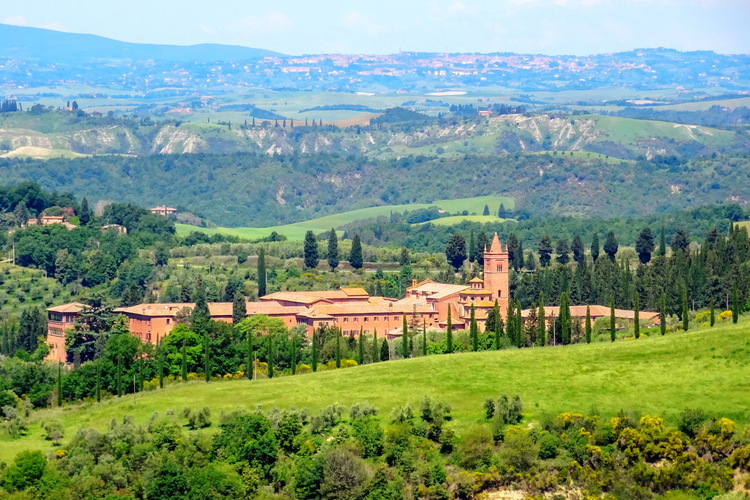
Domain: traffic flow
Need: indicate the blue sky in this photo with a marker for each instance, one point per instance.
(385, 26)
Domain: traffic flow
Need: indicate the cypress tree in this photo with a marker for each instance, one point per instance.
(250, 355)
(685, 313)
(565, 319)
(311, 251)
(361, 347)
(498, 326)
(424, 337)
(338, 347)
(315, 350)
(59, 384)
(160, 363)
(293, 362)
(588, 324)
(636, 315)
(405, 339)
(239, 308)
(355, 255)
(333, 250)
(735, 304)
(206, 357)
(595, 247)
(612, 318)
(473, 330)
(541, 315)
(449, 333)
(511, 326)
(118, 381)
(663, 314)
(713, 314)
(662, 243)
(519, 325)
(385, 353)
(271, 359)
(184, 361)
(262, 272)
(200, 316)
(98, 381)
(85, 216)
(375, 346)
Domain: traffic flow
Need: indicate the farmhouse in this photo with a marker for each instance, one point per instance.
(162, 210)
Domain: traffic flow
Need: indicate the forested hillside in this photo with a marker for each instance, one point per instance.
(259, 190)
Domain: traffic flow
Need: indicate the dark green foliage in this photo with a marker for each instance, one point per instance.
(26, 471)
(486, 210)
(545, 251)
(595, 247)
(565, 318)
(611, 246)
(663, 314)
(385, 353)
(355, 254)
(579, 252)
(333, 250)
(680, 241)
(735, 304)
(712, 319)
(262, 272)
(311, 251)
(644, 246)
(424, 337)
(612, 319)
(562, 249)
(662, 243)
(338, 347)
(405, 338)
(361, 347)
(636, 315)
(473, 330)
(455, 251)
(271, 358)
(588, 325)
(684, 310)
(375, 354)
(206, 357)
(315, 349)
(239, 307)
(449, 334)
(183, 361)
(542, 319)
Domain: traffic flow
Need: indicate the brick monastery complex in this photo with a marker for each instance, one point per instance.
(350, 309)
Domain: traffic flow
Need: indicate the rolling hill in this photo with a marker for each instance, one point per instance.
(22, 42)
(704, 368)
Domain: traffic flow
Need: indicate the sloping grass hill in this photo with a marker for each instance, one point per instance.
(297, 230)
(705, 368)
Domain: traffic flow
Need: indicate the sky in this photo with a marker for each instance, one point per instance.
(554, 27)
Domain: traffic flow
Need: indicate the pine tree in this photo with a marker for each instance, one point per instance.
(355, 255)
(663, 314)
(611, 246)
(311, 251)
(315, 350)
(684, 311)
(735, 304)
(385, 353)
(239, 308)
(542, 318)
(565, 318)
(636, 315)
(473, 330)
(612, 318)
(261, 272)
(405, 339)
(424, 337)
(501, 212)
(361, 347)
(338, 347)
(271, 356)
(449, 333)
(713, 314)
(588, 324)
(200, 316)
(579, 252)
(486, 210)
(375, 346)
(455, 251)
(333, 250)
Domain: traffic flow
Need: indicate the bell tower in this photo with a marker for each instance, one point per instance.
(496, 274)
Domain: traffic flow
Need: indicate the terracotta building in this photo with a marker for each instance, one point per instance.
(162, 210)
(59, 320)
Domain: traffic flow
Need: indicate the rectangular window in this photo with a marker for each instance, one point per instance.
(365, 319)
(375, 318)
(346, 320)
(499, 268)
(355, 320)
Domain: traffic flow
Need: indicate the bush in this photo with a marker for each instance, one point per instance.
(197, 419)
(53, 430)
(691, 421)
(475, 449)
(519, 450)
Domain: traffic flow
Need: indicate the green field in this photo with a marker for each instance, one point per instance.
(457, 219)
(705, 368)
(297, 230)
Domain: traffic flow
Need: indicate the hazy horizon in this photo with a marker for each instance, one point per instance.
(553, 27)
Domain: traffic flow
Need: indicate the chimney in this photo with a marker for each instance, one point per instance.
(413, 282)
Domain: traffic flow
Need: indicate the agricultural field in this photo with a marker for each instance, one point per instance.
(22, 287)
(706, 368)
(296, 231)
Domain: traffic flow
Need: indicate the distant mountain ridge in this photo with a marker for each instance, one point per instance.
(24, 42)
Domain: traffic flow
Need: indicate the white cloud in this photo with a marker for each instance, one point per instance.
(15, 20)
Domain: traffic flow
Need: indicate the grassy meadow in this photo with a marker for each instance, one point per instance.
(705, 368)
(297, 230)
